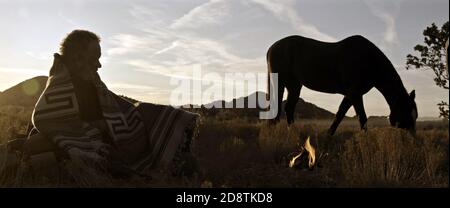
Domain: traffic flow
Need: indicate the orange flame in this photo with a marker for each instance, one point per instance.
(311, 153)
(293, 160)
(310, 150)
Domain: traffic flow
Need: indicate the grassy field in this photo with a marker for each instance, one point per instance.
(236, 153)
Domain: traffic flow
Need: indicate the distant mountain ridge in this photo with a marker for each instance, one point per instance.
(27, 93)
(303, 109)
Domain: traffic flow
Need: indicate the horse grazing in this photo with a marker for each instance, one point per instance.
(350, 67)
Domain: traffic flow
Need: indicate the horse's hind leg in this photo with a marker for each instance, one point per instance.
(293, 96)
(357, 102)
(343, 108)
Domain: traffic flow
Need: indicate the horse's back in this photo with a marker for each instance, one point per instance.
(295, 45)
(296, 42)
(305, 60)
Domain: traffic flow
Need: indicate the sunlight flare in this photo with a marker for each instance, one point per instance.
(31, 87)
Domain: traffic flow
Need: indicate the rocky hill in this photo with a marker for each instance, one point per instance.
(24, 94)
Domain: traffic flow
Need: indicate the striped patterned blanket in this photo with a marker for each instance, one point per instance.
(146, 136)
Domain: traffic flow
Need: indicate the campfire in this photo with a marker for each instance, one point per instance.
(306, 151)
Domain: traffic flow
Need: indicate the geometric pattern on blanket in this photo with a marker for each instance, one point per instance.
(146, 135)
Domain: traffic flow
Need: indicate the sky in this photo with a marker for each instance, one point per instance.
(145, 44)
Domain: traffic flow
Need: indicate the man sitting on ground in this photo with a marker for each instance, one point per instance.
(77, 115)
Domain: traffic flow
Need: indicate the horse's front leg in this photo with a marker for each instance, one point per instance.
(293, 96)
(359, 108)
(343, 108)
(279, 102)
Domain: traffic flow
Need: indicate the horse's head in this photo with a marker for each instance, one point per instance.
(404, 114)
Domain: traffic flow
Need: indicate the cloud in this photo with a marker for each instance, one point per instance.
(209, 13)
(175, 71)
(71, 21)
(182, 54)
(22, 71)
(140, 92)
(157, 13)
(283, 10)
(172, 46)
(151, 53)
(390, 37)
(125, 43)
(129, 86)
(166, 49)
(44, 56)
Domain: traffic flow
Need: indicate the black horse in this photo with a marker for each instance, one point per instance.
(350, 67)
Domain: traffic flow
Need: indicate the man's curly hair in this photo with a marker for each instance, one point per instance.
(76, 43)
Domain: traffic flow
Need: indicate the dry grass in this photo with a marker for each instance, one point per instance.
(13, 122)
(236, 153)
(388, 157)
(381, 157)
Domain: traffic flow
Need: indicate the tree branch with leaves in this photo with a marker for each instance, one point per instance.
(433, 56)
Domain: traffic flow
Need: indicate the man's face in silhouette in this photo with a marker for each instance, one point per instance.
(89, 61)
(93, 54)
